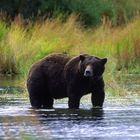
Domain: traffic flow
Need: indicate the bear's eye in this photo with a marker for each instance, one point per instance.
(98, 70)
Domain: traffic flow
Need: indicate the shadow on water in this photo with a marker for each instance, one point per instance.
(69, 114)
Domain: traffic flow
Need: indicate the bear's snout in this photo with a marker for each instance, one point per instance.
(88, 71)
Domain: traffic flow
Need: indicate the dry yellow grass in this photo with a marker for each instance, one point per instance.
(23, 44)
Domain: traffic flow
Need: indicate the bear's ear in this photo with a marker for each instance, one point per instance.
(104, 60)
(82, 57)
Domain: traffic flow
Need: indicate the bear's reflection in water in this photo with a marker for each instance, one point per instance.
(69, 114)
(69, 123)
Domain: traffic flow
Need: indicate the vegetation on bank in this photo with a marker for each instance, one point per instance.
(23, 44)
(90, 12)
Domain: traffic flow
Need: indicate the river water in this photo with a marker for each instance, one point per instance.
(118, 120)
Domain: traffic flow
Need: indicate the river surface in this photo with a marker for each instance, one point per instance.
(118, 120)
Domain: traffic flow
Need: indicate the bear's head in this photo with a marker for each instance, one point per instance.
(91, 66)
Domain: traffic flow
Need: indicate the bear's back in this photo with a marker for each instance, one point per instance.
(49, 65)
(61, 59)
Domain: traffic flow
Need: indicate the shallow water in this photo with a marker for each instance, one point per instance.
(119, 119)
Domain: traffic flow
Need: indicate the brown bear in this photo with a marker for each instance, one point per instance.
(58, 76)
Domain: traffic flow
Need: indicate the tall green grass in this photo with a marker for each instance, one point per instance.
(23, 44)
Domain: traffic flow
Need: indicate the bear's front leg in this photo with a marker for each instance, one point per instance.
(74, 102)
(97, 98)
(73, 97)
(98, 95)
(73, 94)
